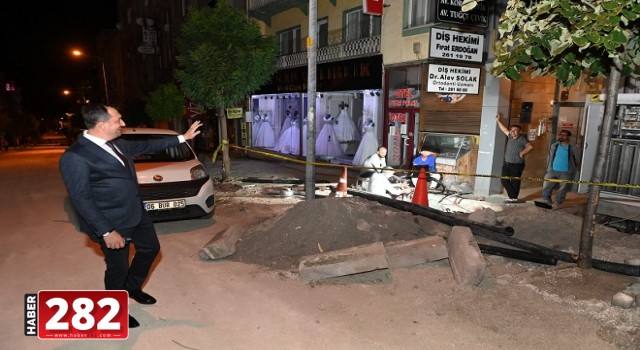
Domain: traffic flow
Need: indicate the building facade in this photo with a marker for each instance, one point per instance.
(415, 76)
(349, 81)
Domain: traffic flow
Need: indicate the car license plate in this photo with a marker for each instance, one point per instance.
(165, 205)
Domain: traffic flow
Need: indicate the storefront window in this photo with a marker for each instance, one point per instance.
(404, 87)
(452, 146)
(457, 153)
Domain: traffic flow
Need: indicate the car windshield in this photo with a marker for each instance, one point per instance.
(179, 153)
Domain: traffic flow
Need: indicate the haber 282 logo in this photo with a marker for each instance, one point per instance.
(77, 314)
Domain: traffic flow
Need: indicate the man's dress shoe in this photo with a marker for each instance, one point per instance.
(141, 297)
(133, 323)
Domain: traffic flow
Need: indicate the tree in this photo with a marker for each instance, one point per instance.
(568, 38)
(165, 103)
(5, 111)
(134, 112)
(5, 116)
(222, 58)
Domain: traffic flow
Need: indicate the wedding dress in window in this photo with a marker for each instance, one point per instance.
(304, 137)
(266, 136)
(346, 129)
(289, 140)
(327, 143)
(257, 122)
(286, 124)
(368, 144)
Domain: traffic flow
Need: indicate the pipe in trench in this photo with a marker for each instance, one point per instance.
(498, 234)
(517, 254)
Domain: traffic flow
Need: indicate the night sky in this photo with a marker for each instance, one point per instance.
(36, 38)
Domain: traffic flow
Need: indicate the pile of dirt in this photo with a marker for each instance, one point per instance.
(562, 231)
(328, 224)
(310, 227)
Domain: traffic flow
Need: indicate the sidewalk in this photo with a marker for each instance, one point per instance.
(246, 167)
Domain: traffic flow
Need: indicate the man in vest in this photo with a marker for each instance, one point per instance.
(561, 165)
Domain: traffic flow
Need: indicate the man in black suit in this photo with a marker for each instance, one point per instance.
(103, 189)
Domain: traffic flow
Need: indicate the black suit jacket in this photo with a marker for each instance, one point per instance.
(104, 193)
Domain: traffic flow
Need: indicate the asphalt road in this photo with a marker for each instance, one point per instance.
(41, 249)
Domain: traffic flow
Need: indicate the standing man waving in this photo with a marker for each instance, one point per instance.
(101, 181)
(517, 147)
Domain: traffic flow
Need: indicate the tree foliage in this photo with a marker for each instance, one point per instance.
(566, 38)
(5, 112)
(165, 103)
(223, 57)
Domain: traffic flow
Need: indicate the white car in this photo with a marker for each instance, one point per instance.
(174, 185)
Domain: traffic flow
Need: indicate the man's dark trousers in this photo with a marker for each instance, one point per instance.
(512, 186)
(119, 275)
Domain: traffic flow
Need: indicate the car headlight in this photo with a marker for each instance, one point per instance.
(198, 172)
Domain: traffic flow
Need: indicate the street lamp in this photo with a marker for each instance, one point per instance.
(68, 92)
(79, 53)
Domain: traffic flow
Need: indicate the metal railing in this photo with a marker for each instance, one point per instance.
(364, 47)
(256, 4)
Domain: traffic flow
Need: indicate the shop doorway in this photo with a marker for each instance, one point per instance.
(400, 130)
(571, 116)
(402, 110)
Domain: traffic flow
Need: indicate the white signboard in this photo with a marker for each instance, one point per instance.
(453, 45)
(453, 80)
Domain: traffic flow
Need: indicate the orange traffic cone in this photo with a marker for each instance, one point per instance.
(420, 194)
(341, 190)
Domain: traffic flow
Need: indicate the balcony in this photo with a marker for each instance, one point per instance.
(258, 4)
(265, 9)
(369, 46)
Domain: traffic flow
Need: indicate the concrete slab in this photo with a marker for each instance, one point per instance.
(416, 252)
(343, 262)
(466, 260)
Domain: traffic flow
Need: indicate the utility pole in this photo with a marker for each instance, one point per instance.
(104, 81)
(312, 48)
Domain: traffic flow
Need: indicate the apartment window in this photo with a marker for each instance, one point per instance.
(323, 32)
(417, 13)
(289, 41)
(359, 25)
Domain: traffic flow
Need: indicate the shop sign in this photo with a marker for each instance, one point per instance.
(372, 7)
(397, 117)
(453, 45)
(149, 41)
(453, 79)
(146, 49)
(450, 11)
(149, 37)
(234, 113)
(395, 145)
(404, 98)
(192, 110)
(354, 74)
